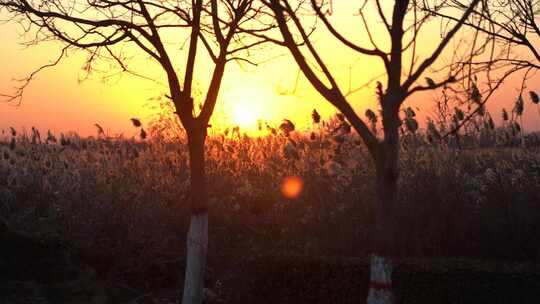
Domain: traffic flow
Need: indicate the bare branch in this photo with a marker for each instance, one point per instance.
(442, 45)
(19, 92)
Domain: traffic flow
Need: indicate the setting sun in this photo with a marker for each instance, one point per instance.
(245, 106)
(244, 117)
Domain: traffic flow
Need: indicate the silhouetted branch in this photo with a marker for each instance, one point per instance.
(512, 23)
(19, 91)
(344, 40)
(442, 45)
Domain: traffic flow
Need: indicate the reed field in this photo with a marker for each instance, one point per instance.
(121, 204)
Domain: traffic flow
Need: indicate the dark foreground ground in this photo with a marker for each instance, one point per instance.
(301, 280)
(37, 271)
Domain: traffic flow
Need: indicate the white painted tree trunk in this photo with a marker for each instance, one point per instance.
(380, 284)
(197, 246)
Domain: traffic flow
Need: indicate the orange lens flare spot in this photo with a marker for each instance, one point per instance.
(292, 186)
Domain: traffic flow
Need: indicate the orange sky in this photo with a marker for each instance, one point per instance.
(56, 100)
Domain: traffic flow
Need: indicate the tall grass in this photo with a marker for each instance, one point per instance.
(123, 202)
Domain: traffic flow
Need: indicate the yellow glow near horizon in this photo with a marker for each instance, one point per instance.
(269, 92)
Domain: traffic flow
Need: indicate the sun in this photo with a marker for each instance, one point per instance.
(245, 108)
(244, 117)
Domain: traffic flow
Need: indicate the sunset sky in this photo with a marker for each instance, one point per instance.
(57, 100)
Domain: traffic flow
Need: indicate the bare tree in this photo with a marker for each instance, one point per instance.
(512, 23)
(226, 29)
(403, 26)
(512, 28)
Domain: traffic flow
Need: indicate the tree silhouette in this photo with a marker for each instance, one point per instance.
(403, 28)
(512, 28)
(512, 23)
(227, 29)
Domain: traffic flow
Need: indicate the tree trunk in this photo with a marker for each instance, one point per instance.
(384, 246)
(197, 238)
(380, 284)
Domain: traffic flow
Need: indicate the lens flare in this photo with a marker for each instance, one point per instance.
(292, 187)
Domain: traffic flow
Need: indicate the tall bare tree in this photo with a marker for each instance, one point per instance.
(226, 29)
(403, 22)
